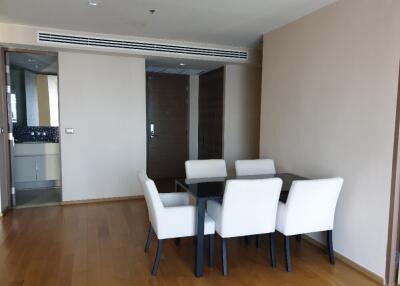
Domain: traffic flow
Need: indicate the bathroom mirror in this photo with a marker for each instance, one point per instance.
(34, 89)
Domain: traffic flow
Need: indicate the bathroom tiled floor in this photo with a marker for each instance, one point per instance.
(38, 197)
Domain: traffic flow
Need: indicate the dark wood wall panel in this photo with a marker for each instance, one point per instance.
(211, 109)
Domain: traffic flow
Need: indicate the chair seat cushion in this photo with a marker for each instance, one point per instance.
(209, 225)
(174, 199)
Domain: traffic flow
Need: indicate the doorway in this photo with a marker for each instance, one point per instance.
(33, 119)
(173, 119)
(167, 126)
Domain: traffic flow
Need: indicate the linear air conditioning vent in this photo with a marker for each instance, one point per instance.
(43, 37)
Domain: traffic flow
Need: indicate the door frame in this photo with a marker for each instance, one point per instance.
(187, 113)
(5, 155)
(5, 67)
(393, 245)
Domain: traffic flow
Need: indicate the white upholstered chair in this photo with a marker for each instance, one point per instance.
(169, 220)
(246, 214)
(214, 168)
(168, 200)
(310, 207)
(255, 167)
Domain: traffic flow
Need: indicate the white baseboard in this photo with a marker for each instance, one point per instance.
(102, 200)
(347, 261)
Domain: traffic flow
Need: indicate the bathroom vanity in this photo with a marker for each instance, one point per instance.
(36, 163)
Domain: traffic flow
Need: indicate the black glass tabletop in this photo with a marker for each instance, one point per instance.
(213, 188)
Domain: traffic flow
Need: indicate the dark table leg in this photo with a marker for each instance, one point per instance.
(199, 265)
(258, 240)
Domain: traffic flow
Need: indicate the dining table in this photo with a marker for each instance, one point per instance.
(205, 189)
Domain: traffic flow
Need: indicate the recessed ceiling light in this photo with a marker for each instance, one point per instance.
(182, 64)
(93, 3)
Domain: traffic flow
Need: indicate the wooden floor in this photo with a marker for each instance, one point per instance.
(102, 244)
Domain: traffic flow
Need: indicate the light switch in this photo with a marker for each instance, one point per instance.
(69, 131)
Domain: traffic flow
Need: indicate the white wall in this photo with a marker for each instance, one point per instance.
(103, 98)
(193, 116)
(329, 89)
(241, 113)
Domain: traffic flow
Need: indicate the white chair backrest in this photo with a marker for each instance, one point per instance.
(142, 176)
(214, 168)
(311, 205)
(255, 167)
(153, 201)
(250, 206)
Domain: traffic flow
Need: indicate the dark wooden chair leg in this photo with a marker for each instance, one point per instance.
(177, 241)
(224, 248)
(149, 238)
(288, 259)
(272, 249)
(329, 245)
(258, 240)
(298, 238)
(211, 250)
(158, 257)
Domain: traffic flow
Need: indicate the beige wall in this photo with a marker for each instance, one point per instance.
(103, 98)
(241, 113)
(329, 90)
(193, 116)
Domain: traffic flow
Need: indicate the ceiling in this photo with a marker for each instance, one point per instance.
(227, 22)
(180, 66)
(38, 63)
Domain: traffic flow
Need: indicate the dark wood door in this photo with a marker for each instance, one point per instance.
(211, 109)
(167, 123)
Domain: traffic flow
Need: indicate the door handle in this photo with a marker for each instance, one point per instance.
(1, 130)
(152, 131)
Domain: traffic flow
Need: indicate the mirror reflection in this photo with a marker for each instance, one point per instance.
(34, 97)
(34, 90)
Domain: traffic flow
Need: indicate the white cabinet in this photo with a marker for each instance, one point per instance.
(37, 162)
(48, 167)
(31, 149)
(37, 168)
(25, 169)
